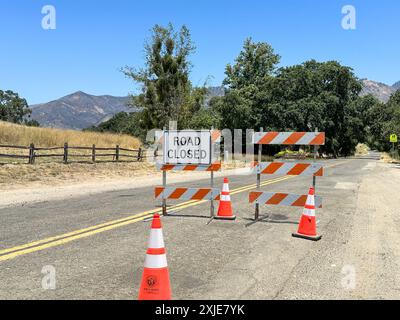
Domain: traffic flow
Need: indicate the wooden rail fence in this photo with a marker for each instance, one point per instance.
(33, 153)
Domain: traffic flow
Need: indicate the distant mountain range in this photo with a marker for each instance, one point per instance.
(380, 90)
(78, 110)
(81, 110)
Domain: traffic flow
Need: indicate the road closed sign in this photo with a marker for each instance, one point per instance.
(187, 147)
(393, 138)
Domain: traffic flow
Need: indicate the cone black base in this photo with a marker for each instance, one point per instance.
(225, 218)
(303, 236)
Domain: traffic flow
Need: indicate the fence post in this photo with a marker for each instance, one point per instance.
(94, 153)
(31, 154)
(140, 156)
(65, 159)
(117, 153)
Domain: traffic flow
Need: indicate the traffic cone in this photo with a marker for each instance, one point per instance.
(225, 206)
(307, 226)
(155, 283)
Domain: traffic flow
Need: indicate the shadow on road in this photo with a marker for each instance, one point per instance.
(273, 218)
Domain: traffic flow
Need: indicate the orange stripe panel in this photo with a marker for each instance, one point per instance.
(157, 191)
(177, 193)
(319, 173)
(190, 167)
(272, 168)
(214, 167)
(253, 196)
(168, 167)
(268, 137)
(277, 198)
(298, 169)
(300, 202)
(319, 139)
(294, 137)
(215, 135)
(199, 195)
(253, 164)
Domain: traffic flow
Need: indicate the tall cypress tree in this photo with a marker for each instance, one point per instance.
(166, 91)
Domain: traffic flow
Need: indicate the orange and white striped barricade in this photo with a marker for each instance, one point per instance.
(187, 193)
(188, 150)
(282, 199)
(289, 138)
(289, 168)
(284, 168)
(216, 166)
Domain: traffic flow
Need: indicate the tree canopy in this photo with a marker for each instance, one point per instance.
(166, 91)
(304, 97)
(13, 108)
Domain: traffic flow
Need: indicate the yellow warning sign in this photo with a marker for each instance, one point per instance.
(393, 138)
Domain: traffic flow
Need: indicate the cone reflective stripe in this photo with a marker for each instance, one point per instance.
(225, 207)
(225, 195)
(155, 283)
(307, 226)
(309, 208)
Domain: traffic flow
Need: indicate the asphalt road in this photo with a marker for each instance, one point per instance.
(96, 245)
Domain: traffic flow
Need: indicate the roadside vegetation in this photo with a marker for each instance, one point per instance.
(258, 94)
(22, 135)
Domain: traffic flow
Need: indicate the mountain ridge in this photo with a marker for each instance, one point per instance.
(380, 90)
(81, 110)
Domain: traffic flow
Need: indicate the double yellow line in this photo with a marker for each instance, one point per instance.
(11, 253)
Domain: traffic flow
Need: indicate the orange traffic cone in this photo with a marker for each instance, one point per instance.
(155, 280)
(307, 226)
(225, 206)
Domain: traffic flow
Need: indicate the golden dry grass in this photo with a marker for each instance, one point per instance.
(387, 157)
(13, 134)
(361, 149)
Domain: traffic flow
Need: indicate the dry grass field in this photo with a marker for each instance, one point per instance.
(16, 173)
(13, 134)
(18, 135)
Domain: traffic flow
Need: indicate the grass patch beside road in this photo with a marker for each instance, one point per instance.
(19, 135)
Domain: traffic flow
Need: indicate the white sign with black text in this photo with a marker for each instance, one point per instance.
(187, 147)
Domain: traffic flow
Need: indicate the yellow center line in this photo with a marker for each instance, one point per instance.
(62, 239)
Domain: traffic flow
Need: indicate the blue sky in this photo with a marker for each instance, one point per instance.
(95, 38)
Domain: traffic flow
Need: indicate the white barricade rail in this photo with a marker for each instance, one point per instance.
(289, 138)
(187, 193)
(188, 167)
(281, 199)
(289, 168)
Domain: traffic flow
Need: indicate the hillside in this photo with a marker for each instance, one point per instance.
(81, 110)
(78, 110)
(380, 90)
(396, 85)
